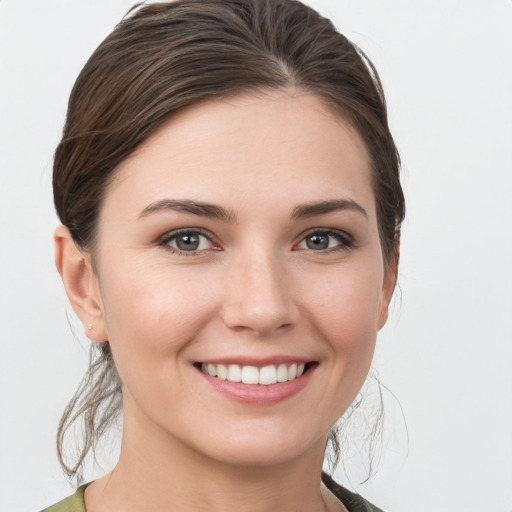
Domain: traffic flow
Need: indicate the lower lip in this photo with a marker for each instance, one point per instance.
(259, 394)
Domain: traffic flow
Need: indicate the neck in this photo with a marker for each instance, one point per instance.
(157, 472)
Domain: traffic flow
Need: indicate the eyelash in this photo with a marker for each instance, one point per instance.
(165, 240)
(345, 241)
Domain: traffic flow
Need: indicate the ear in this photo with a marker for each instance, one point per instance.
(389, 283)
(81, 284)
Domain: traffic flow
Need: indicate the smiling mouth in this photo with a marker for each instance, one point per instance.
(266, 375)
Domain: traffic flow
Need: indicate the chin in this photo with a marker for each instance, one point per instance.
(266, 447)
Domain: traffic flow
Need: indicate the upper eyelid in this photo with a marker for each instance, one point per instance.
(173, 233)
(328, 231)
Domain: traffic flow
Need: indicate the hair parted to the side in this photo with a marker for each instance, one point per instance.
(165, 56)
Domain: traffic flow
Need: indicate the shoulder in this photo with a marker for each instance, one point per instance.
(73, 503)
(353, 502)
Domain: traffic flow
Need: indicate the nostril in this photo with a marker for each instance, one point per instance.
(242, 318)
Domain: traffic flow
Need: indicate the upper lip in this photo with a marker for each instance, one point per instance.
(259, 362)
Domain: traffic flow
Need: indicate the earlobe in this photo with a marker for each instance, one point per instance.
(80, 283)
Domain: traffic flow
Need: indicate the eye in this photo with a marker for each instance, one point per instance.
(187, 241)
(321, 240)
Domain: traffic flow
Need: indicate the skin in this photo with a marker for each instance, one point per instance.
(253, 288)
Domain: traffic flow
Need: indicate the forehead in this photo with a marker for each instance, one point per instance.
(279, 146)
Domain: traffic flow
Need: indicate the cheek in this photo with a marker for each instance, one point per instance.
(153, 314)
(343, 310)
(348, 304)
(346, 313)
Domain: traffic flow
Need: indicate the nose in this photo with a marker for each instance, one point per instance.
(259, 296)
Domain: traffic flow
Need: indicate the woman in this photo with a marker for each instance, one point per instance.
(231, 207)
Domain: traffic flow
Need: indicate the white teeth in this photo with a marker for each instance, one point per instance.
(282, 373)
(266, 376)
(292, 372)
(250, 375)
(222, 371)
(234, 373)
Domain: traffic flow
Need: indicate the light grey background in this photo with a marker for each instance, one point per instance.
(447, 350)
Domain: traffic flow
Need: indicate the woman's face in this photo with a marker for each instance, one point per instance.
(241, 239)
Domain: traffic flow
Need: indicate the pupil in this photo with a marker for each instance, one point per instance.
(317, 241)
(188, 242)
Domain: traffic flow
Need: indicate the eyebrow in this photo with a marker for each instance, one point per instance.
(323, 207)
(217, 212)
(188, 206)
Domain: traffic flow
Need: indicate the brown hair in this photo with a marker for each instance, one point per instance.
(166, 56)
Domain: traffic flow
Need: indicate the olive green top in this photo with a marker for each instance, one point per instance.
(73, 503)
(353, 502)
